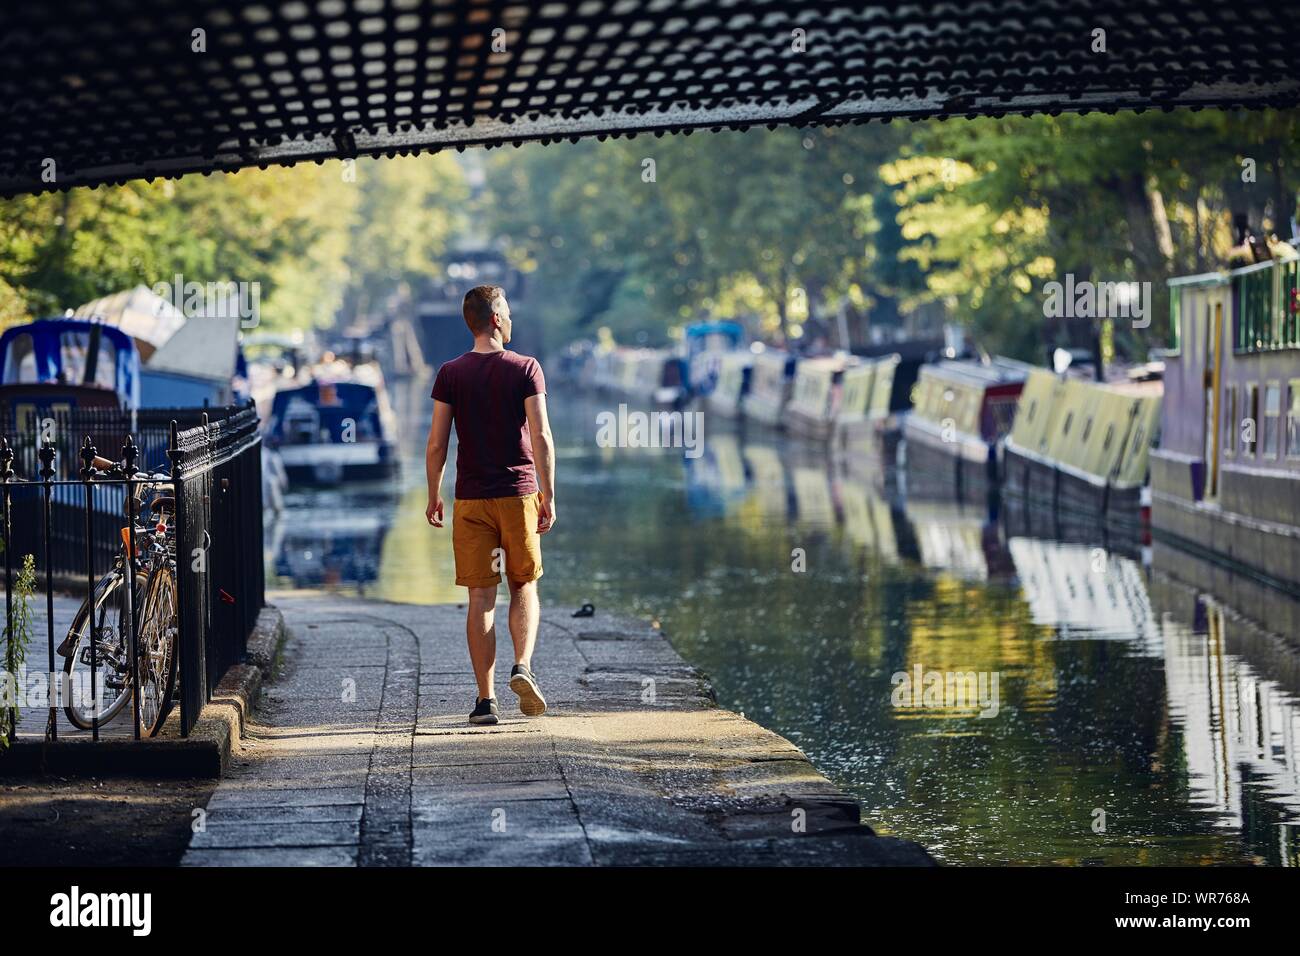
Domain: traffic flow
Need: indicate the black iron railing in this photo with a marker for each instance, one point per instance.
(79, 516)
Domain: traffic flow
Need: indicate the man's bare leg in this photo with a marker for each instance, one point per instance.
(525, 612)
(524, 615)
(481, 635)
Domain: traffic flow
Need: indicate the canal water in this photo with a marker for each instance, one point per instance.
(1113, 717)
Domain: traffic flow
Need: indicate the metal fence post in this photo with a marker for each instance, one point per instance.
(87, 470)
(182, 622)
(6, 475)
(47, 476)
(129, 452)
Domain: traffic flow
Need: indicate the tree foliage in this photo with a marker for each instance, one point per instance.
(313, 236)
(966, 219)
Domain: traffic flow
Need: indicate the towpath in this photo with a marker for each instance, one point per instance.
(360, 755)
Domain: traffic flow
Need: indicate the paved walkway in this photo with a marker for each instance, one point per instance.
(360, 755)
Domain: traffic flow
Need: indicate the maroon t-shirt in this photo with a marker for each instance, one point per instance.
(486, 392)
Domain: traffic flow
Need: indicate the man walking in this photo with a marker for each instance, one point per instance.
(505, 490)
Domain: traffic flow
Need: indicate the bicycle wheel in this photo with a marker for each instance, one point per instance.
(158, 633)
(112, 681)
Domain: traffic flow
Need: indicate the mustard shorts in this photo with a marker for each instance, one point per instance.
(489, 535)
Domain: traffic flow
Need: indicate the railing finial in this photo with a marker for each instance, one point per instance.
(87, 458)
(129, 454)
(47, 459)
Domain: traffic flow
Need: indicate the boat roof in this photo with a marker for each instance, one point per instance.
(139, 312)
(57, 326)
(202, 347)
(719, 327)
(999, 371)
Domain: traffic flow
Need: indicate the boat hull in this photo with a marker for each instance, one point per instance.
(961, 469)
(337, 463)
(1031, 481)
(1252, 530)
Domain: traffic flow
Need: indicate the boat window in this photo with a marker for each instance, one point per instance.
(1230, 420)
(1087, 430)
(1293, 419)
(20, 359)
(1065, 429)
(1249, 440)
(1272, 417)
(75, 353)
(1110, 434)
(1033, 407)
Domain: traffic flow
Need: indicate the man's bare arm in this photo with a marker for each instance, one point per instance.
(435, 460)
(539, 431)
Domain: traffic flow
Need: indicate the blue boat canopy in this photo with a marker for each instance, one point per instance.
(698, 332)
(71, 352)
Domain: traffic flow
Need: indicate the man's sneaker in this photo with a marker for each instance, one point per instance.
(522, 682)
(485, 711)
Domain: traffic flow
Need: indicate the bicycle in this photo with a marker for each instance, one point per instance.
(105, 615)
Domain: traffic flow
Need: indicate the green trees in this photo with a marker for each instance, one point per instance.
(789, 229)
(312, 235)
(967, 219)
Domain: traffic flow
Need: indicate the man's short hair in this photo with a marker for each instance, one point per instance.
(480, 303)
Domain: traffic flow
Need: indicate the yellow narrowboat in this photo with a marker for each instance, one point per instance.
(815, 397)
(1083, 447)
(771, 381)
(961, 412)
(734, 369)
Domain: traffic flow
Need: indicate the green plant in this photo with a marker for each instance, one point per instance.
(18, 634)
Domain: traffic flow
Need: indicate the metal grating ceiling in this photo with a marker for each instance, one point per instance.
(110, 90)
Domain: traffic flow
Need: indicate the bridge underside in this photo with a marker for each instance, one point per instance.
(96, 91)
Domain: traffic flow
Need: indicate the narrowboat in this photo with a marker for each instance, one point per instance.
(771, 381)
(728, 394)
(815, 396)
(75, 362)
(86, 376)
(866, 429)
(660, 378)
(707, 346)
(1225, 482)
(1082, 447)
(329, 431)
(868, 422)
(961, 413)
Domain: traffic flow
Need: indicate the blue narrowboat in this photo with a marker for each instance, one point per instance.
(328, 432)
(707, 345)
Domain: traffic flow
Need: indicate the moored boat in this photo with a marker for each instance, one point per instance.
(961, 413)
(866, 429)
(1226, 479)
(815, 396)
(707, 345)
(732, 385)
(660, 378)
(1082, 446)
(328, 432)
(771, 381)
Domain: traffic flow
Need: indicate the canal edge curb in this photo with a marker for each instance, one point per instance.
(205, 753)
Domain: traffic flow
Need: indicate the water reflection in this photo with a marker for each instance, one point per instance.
(1138, 721)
